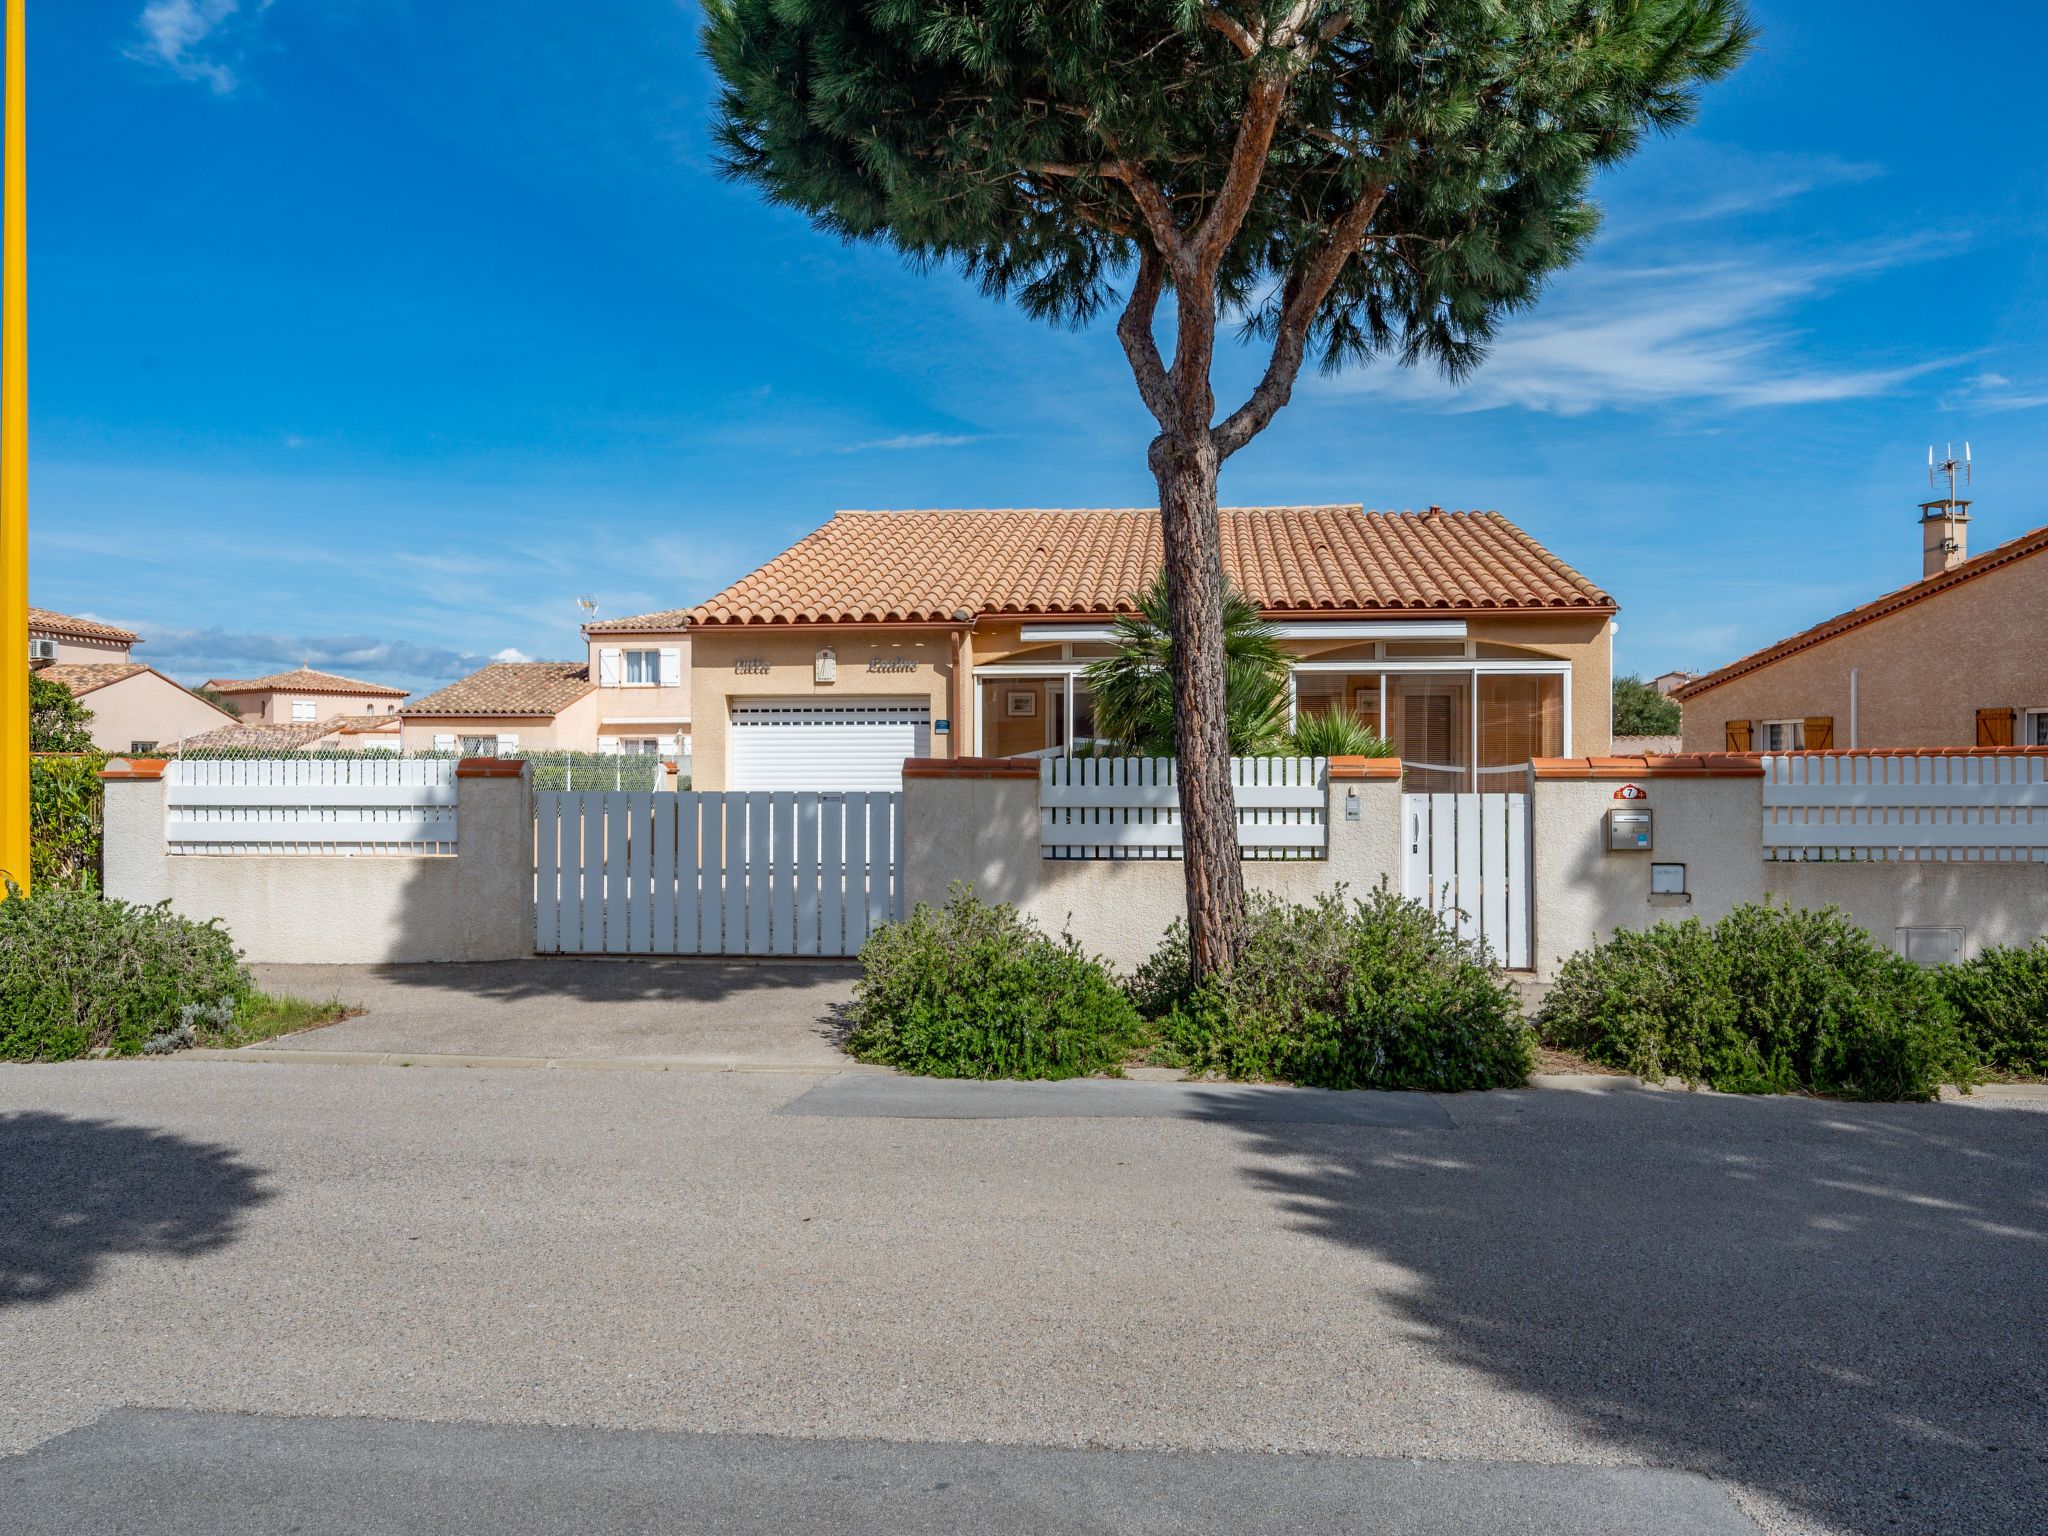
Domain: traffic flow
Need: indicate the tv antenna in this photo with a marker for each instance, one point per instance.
(588, 603)
(1949, 466)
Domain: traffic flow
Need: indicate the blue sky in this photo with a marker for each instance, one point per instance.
(372, 332)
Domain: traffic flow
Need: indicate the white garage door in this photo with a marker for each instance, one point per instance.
(827, 746)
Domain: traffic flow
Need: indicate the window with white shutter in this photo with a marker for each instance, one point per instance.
(608, 667)
(671, 666)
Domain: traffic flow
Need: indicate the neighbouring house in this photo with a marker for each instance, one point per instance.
(54, 637)
(505, 708)
(887, 635)
(303, 696)
(135, 708)
(642, 667)
(1668, 683)
(1945, 662)
(336, 733)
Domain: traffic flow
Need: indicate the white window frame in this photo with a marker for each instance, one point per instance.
(1795, 729)
(2034, 724)
(303, 709)
(645, 663)
(479, 745)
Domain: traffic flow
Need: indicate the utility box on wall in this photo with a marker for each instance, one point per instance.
(1630, 830)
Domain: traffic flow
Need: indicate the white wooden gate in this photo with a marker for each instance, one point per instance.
(768, 872)
(1467, 857)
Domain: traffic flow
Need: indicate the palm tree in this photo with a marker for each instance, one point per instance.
(1134, 688)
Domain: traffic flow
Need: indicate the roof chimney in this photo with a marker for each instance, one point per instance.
(1944, 536)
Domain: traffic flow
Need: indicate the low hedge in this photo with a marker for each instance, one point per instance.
(2001, 1001)
(65, 805)
(1767, 1000)
(975, 990)
(79, 975)
(1379, 993)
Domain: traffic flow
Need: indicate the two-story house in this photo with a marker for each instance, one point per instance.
(135, 708)
(303, 696)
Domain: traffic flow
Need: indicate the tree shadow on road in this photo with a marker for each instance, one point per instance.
(1840, 1306)
(75, 1193)
(582, 979)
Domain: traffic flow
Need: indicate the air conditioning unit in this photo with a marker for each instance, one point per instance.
(40, 649)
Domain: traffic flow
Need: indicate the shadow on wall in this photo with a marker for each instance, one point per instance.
(1839, 1307)
(79, 1192)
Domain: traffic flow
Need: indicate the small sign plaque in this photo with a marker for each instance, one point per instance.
(751, 665)
(891, 664)
(1631, 792)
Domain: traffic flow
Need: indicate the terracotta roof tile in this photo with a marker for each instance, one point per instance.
(926, 566)
(84, 676)
(48, 621)
(1992, 559)
(509, 688)
(668, 618)
(278, 736)
(302, 680)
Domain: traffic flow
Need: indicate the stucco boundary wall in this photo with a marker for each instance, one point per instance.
(1709, 817)
(976, 821)
(346, 909)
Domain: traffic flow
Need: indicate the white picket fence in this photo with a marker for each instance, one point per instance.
(1129, 807)
(309, 805)
(1467, 857)
(1858, 806)
(764, 872)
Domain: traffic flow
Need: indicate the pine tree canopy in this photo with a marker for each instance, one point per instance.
(1350, 178)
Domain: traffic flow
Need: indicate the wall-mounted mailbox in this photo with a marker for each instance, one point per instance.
(1667, 880)
(1629, 830)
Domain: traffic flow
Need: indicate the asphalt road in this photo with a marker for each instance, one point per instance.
(1832, 1313)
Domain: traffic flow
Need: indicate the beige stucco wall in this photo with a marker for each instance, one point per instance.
(72, 649)
(986, 832)
(642, 709)
(148, 707)
(1714, 826)
(276, 708)
(789, 657)
(573, 730)
(341, 909)
(1921, 673)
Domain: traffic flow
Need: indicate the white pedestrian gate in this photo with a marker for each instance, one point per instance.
(769, 872)
(1467, 857)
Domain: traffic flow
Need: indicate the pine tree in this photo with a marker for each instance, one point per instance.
(1353, 179)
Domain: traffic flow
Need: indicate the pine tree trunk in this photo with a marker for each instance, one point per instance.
(1186, 472)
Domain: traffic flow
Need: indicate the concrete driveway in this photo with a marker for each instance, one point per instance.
(756, 1013)
(1831, 1313)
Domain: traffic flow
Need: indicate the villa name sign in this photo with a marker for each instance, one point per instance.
(891, 664)
(753, 666)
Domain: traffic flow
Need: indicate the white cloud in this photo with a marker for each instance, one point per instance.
(1996, 392)
(184, 36)
(911, 440)
(1617, 335)
(510, 653)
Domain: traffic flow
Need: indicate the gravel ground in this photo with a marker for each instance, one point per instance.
(1833, 1310)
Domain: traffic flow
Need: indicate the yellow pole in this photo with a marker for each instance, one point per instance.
(14, 467)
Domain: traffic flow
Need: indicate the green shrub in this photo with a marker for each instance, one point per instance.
(974, 990)
(1767, 1000)
(2001, 999)
(1338, 733)
(1379, 993)
(65, 801)
(78, 974)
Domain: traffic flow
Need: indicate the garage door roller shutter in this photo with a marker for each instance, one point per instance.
(827, 746)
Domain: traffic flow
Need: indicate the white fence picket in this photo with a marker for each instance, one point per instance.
(1466, 857)
(1861, 806)
(309, 806)
(1124, 808)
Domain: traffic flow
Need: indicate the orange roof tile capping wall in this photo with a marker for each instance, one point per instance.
(912, 567)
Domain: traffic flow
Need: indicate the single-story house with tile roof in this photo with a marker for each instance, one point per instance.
(506, 707)
(336, 733)
(135, 708)
(887, 635)
(1944, 662)
(303, 696)
(54, 636)
(642, 667)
